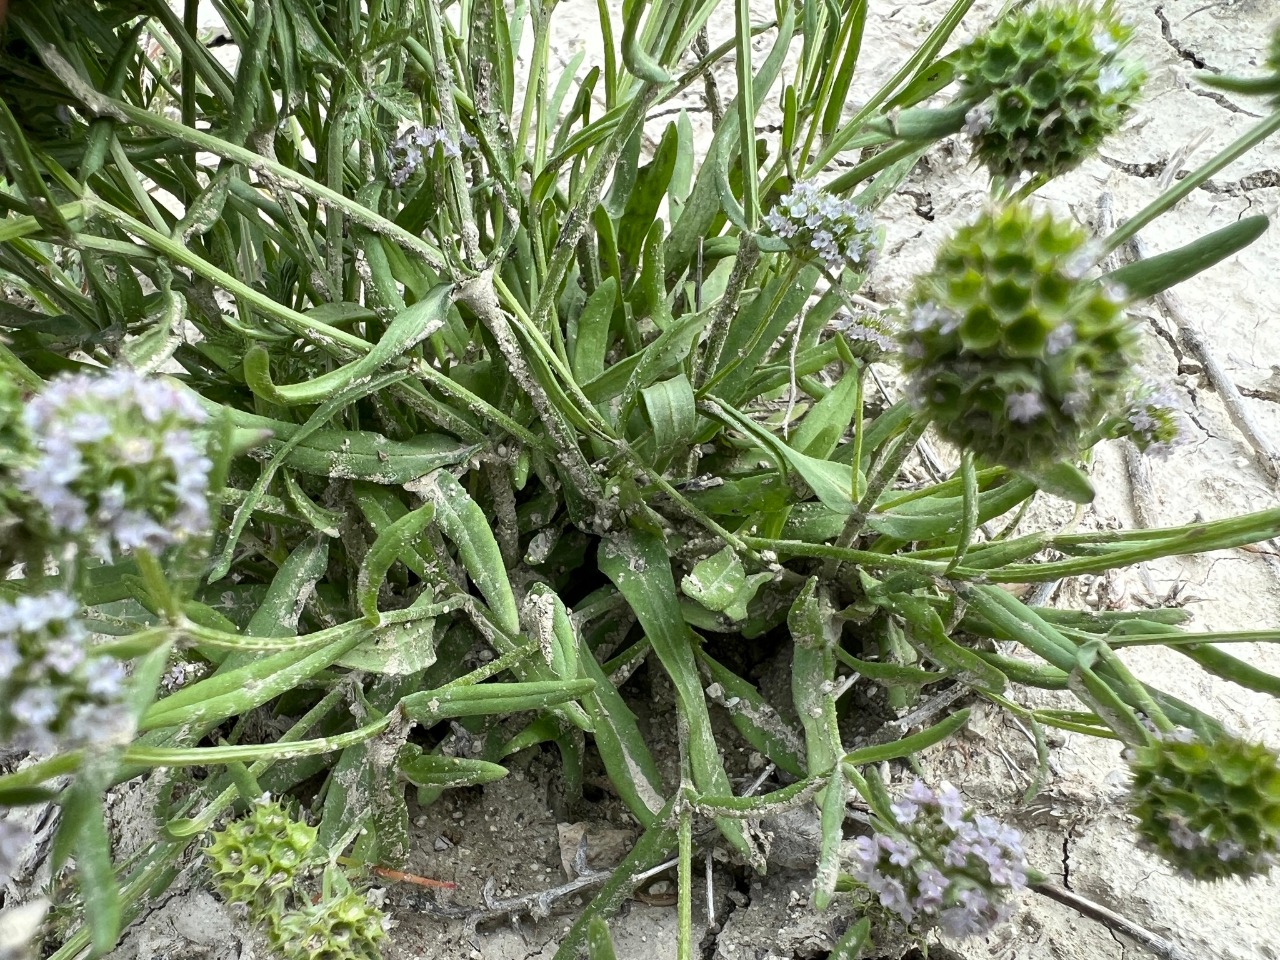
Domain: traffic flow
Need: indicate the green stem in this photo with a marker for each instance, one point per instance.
(358, 212)
(1183, 187)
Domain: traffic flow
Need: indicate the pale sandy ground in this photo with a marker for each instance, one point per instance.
(1077, 829)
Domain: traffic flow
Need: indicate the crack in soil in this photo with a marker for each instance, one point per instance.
(1186, 53)
(1223, 102)
(1258, 180)
(1066, 860)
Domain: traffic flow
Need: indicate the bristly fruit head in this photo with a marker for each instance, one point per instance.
(344, 927)
(1007, 348)
(1047, 85)
(1211, 808)
(259, 856)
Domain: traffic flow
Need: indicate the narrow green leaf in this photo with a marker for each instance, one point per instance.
(825, 425)
(835, 484)
(1064, 480)
(852, 941)
(463, 521)
(929, 635)
(401, 649)
(1146, 278)
(408, 329)
(909, 746)
(622, 747)
(640, 568)
(97, 881)
(430, 706)
(430, 770)
(599, 943)
(832, 822)
(391, 542)
(812, 673)
(969, 516)
(672, 414)
(592, 342)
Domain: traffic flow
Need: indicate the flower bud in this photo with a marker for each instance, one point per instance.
(1154, 421)
(836, 232)
(53, 690)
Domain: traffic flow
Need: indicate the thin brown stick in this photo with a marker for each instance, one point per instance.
(386, 873)
(1109, 918)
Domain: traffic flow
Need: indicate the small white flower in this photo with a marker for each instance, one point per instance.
(1023, 407)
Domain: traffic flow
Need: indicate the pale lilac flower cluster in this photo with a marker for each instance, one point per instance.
(406, 154)
(53, 690)
(118, 463)
(944, 865)
(1156, 423)
(838, 231)
(13, 840)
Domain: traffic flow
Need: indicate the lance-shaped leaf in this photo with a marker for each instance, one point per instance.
(929, 635)
(1146, 278)
(391, 543)
(838, 485)
(638, 565)
(462, 520)
(411, 327)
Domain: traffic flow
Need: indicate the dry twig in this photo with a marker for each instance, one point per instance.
(1109, 918)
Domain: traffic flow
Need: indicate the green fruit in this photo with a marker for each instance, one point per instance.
(1007, 349)
(1047, 85)
(256, 857)
(1210, 808)
(340, 928)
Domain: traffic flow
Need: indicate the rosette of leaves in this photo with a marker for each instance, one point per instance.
(1009, 351)
(1210, 806)
(485, 413)
(1047, 84)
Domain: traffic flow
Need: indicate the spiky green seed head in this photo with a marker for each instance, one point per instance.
(344, 927)
(1007, 348)
(1047, 85)
(1211, 808)
(260, 855)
